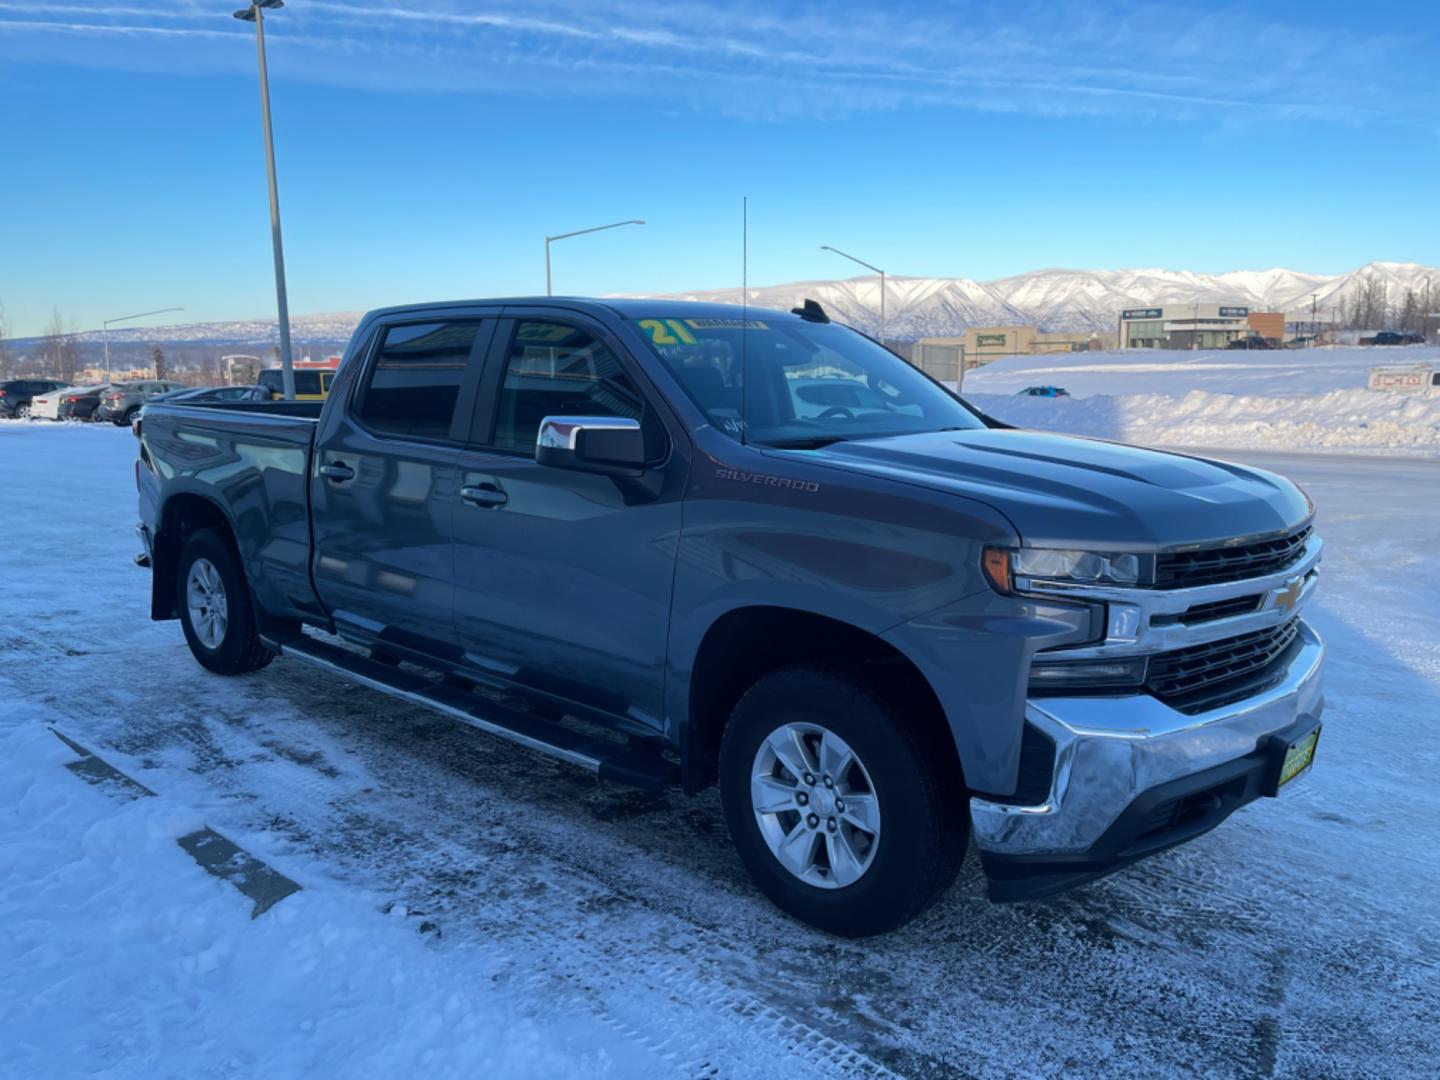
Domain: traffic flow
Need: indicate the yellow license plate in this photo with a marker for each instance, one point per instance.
(1299, 757)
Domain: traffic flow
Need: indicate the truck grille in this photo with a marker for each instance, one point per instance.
(1219, 672)
(1212, 566)
(1216, 609)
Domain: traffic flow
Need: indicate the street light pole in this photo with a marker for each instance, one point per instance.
(862, 262)
(105, 330)
(579, 232)
(255, 13)
(1425, 328)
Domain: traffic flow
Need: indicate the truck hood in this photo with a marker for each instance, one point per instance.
(1063, 491)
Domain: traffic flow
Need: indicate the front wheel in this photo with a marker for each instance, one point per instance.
(215, 609)
(843, 814)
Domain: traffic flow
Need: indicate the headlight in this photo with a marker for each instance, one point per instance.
(1009, 570)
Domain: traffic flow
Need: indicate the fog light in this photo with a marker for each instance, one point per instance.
(1126, 671)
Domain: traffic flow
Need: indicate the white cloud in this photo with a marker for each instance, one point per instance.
(1157, 61)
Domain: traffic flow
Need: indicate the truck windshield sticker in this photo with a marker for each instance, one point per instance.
(670, 332)
(667, 332)
(726, 324)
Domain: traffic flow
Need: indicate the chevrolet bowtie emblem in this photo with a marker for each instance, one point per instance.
(1285, 599)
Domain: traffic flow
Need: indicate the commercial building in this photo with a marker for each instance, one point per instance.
(1268, 324)
(1195, 326)
(943, 357)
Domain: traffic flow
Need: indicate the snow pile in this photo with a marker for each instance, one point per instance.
(1284, 399)
(119, 954)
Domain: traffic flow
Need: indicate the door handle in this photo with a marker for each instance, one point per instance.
(337, 471)
(484, 495)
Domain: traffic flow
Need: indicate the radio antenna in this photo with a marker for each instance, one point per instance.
(744, 317)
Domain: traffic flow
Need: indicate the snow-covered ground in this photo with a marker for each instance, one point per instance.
(470, 908)
(1285, 399)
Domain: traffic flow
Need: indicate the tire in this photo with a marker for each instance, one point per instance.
(128, 417)
(220, 623)
(22, 411)
(922, 824)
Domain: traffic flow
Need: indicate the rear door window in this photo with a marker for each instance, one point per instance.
(413, 383)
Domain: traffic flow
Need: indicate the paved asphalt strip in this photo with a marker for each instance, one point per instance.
(215, 854)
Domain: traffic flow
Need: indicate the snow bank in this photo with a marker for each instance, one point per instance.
(119, 954)
(1339, 420)
(1285, 399)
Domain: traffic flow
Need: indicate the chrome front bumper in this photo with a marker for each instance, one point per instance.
(1111, 751)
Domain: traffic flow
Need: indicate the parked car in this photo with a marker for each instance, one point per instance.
(878, 633)
(80, 403)
(196, 395)
(1044, 391)
(1390, 337)
(50, 405)
(311, 384)
(17, 396)
(124, 400)
(1253, 342)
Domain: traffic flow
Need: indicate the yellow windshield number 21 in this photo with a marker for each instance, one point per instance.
(667, 332)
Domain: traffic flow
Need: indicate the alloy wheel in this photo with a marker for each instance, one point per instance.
(208, 607)
(815, 805)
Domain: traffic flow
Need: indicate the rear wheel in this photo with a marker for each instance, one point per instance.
(842, 813)
(22, 411)
(215, 609)
(128, 416)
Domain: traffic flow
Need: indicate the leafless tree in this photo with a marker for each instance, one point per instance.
(212, 371)
(60, 349)
(1368, 306)
(1410, 312)
(6, 369)
(157, 361)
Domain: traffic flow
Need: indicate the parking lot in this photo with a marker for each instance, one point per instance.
(1300, 939)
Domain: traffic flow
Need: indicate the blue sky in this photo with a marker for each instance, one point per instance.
(426, 147)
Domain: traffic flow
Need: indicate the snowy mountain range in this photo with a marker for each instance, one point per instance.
(1073, 300)
(1062, 300)
(253, 334)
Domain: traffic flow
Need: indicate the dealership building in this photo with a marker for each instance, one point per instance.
(1195, 326)
(945, 358)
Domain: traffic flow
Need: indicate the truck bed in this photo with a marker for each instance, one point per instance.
(250, 460)
(299, 410)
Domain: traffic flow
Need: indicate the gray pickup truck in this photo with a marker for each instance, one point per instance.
(681, 544)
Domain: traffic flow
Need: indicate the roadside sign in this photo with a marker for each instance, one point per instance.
(1400, 380)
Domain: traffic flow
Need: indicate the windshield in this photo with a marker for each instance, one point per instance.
(810, 384)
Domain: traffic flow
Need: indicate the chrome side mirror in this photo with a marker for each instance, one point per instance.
(608, 445)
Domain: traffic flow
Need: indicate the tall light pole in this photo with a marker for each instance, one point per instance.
(1425, 327)
(255, 13)
(1313, 298)
(579, 232)
(105, 330)
(862, 262)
